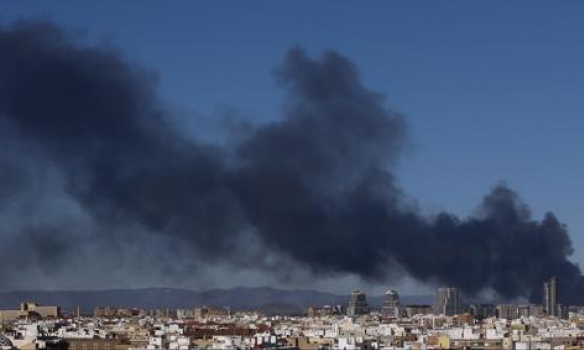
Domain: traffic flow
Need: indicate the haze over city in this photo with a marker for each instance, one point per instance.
(326, 147)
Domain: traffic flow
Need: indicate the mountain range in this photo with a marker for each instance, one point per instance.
(264, 299)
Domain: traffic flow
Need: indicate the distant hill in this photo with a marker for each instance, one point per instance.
(265, 299)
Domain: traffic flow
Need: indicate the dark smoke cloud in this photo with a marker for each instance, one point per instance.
(98, 118)
(316, 186)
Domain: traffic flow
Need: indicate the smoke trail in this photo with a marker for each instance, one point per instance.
(316, 186)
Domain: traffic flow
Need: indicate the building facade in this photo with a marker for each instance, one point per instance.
(358, 304)
(30, 309)
(550, 297)
(390, 305)
(448, 301)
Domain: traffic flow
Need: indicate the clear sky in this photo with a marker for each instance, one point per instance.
(493, 90)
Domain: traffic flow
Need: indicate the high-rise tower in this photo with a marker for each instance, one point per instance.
(358, 304)
(390, 305)
(550, 297)
(448, 301)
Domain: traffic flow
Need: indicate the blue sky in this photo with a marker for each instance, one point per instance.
(492, 90)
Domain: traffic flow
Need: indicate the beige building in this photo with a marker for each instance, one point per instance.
(202, 312)
(29, 309)
(102, 344)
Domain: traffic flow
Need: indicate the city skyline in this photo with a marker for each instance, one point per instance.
(347, 325)
(491, 96)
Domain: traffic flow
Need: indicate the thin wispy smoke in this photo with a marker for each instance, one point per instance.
(316, 186)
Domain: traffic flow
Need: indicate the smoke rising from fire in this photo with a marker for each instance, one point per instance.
(316, 185)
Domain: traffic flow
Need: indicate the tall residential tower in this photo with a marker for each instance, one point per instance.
(550, 297)
(390, 305)
(448, 301)
(358, 304)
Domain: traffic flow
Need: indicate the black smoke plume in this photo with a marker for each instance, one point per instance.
(315, 185)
